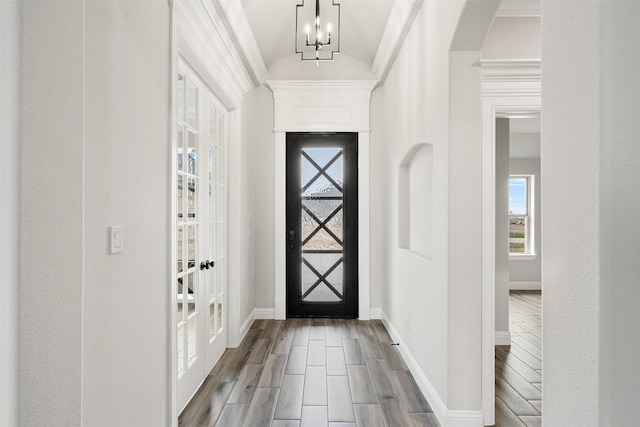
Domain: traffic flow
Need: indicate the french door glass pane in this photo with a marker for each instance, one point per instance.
(180, 147)
(180, 343)
(180, 98)
(191, 245)
(220, 316)
(192, 105)
(180, 249)
(192, 347)
(192, 140)
(180, 198)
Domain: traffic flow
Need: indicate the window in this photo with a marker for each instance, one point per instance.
(521, 215)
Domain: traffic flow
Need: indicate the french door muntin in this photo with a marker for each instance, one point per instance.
(200, 230)
(322, 234)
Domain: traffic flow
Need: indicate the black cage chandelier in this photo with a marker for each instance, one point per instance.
(318, 37)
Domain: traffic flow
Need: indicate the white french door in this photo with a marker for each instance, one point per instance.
(201, 232)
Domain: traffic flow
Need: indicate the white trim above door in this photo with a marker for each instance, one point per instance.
(322, 106)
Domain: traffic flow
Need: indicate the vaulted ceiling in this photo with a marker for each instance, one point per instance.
(362, 24)
(372, 31)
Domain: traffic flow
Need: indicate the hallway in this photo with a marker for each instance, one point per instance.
(311, 372)
(519, 366)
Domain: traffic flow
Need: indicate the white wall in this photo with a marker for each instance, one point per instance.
(52, 205)
(528, 273)
(257, 128)
(591, 242)
(502, 230)
(94, 337)
(513, 38)
(378, 204)
(126, 158)
(343, 67)
(465, 234)
(620, 197)
(415, 293)
(10, 52)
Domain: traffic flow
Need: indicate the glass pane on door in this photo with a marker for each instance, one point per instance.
(187, 225)
(322, 224)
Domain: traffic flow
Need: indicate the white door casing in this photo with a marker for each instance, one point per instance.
(510, 88)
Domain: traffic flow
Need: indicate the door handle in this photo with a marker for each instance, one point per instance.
(207, 264)
(291, 237)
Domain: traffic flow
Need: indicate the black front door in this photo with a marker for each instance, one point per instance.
(322, 229)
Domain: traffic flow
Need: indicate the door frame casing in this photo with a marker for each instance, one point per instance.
(347, 142)
(510, 88)
(321, 106)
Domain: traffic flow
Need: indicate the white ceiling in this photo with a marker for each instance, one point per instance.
(371, 33)
(524, 142)
(363, 23)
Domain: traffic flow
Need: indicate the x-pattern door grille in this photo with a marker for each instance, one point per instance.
(322, 224)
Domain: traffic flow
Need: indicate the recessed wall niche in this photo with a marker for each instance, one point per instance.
(416, 200)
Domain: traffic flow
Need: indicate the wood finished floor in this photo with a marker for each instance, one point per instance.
(519, 366)
(307, 373)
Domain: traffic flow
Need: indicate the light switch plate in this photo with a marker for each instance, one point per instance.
(116, 239)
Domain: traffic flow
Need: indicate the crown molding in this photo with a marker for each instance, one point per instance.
(510, 77)
(280, 86)
(208, 48)
(520, 9)
(237, 23)
(510, 70)
(401, 18)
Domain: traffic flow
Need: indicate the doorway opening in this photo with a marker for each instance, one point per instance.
(322, 228)
(518, 332)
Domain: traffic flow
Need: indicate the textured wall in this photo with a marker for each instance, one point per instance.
(571, 34)
(52, 205)
(10, 52)
(433, 313)
(257, 126)
(125, 301)
(94, 339)
(620, 197)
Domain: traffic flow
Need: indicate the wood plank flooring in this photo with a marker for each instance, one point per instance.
(307, 373)
(519, 366)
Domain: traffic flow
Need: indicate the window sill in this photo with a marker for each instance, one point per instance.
(523, 257)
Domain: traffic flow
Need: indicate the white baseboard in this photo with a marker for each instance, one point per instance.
(464, 419)
(525, 286)
(264, 313)
(376, 313)
(503, 338)
(245, 326)
(446, 417)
